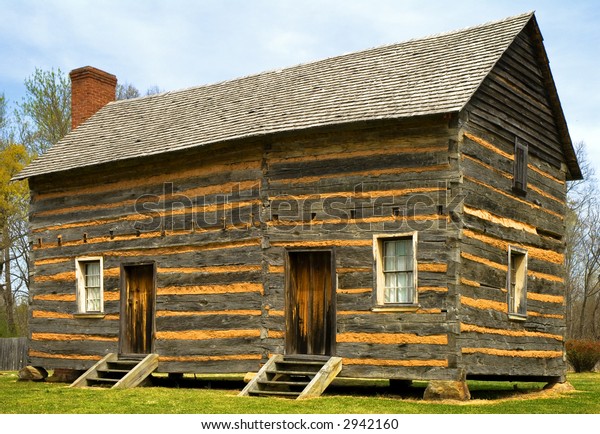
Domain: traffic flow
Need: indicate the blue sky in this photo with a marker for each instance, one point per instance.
(175, 44)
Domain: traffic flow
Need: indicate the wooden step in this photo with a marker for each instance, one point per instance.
(304, 373)
(117, 372)
(279, 375)
(294, 366)
(111, 373)
(283, 383)
(275, 393)
(102, 382)
(122, 364)
(105, 380)
(300, 362)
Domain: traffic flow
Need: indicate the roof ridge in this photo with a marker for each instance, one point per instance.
(421, 76)
(469, 28)
(530, 15)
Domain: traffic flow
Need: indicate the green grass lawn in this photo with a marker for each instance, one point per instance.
(218, 395)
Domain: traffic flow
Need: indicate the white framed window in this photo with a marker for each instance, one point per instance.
(396, 269)
(516, 283)
(89, 273)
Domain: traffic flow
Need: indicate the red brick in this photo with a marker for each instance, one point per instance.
(91, 89)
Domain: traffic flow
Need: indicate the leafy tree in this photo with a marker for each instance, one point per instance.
(582, 257)
(6, 133)
(127, 91)
(13, 213)
(14, 246)
(3, 116)
(153, 90)
(44, 115)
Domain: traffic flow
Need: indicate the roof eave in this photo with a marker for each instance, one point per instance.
(25, 174)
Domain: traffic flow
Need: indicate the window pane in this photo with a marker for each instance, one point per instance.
(403, 295)
(93, 299)
(398, 267)
(406, 288)
(398, 255)
(92, 268)
(389, 248)
(389, 263)
(404, 263)
(390, 295)
(390, 288)
(403, 280)
(92, 274)
(399, 287)
(91, 271)
(404, 247)
(389, 255)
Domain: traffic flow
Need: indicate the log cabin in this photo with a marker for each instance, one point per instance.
(398, 210)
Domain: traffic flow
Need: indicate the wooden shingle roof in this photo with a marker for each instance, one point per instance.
(437, 74)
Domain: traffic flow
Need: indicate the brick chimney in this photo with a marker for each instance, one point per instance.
(91, 89)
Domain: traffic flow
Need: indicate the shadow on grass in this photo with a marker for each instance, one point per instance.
(480, 390)
(192, 381)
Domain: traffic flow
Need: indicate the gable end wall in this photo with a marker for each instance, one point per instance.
(512, 103)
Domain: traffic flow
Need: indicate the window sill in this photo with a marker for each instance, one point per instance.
(517, 317)
(98, 315)
(397, 308)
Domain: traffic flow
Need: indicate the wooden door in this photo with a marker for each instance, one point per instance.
(137, 309)
(310, 299)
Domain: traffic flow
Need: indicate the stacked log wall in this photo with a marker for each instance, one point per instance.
(337, 191)
(192, 215)
(217, 224)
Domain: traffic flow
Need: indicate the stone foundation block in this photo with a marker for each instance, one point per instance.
(443, 389)
(33, 373)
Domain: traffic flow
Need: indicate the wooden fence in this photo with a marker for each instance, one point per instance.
(13, 354)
